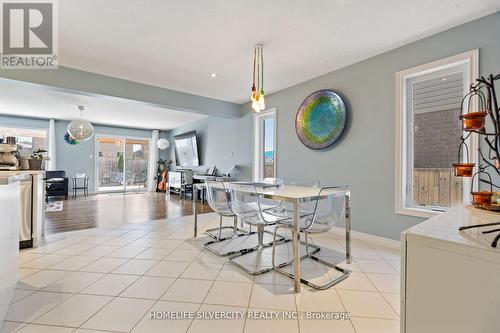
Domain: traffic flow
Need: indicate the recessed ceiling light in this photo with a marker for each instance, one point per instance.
(213, 75)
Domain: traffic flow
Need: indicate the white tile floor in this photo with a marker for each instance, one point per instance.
(109, 279)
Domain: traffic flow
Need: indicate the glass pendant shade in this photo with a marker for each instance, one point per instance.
(81, 129)
(256, 106)
(262, 103)
(163, 144)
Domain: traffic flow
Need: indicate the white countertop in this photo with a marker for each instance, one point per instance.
(441, 231)
(18, 172)
(12, 178)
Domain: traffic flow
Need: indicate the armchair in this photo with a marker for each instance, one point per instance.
(56, 184)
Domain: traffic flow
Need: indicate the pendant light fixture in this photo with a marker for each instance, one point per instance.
(81, 129)
(257, 95)
(162, 144)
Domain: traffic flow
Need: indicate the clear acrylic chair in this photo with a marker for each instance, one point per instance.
(329, 210)
(286, 208)
(267, 204)
(304, 182)
(273, 181)
(219, 200)
(247, 204)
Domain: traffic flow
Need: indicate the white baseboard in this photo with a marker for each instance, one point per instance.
(387, 242)
(379, 239)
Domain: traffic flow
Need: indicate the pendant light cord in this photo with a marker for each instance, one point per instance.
(259, 68)
(262, 68)
(254, 56)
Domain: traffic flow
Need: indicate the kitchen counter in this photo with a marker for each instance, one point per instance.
(9, 235)
(21, 172)
(450, 279)
(31, 232)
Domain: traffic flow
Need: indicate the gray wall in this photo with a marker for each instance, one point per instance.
(364, 157)
(221, 142)
(73, 158)
(7, 121)
(81, 158)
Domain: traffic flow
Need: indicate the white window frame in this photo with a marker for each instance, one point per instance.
(471, 59)
(258, 142)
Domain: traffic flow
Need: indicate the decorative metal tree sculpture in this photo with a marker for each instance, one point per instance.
(483, 93)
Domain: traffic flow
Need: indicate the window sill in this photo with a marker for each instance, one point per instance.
(417, 212)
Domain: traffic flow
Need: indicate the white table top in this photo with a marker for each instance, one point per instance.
(301, 193)
(292, 192)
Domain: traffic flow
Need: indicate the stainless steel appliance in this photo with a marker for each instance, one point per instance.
(26, 221)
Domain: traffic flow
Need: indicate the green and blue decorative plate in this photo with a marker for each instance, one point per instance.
(321, 119)
(70, 140)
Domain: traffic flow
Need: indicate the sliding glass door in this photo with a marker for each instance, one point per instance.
(121, 164)
(136, 164)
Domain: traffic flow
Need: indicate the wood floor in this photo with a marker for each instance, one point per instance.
(118, 208)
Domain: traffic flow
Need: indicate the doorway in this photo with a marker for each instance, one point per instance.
(264, 127)
(121, 164)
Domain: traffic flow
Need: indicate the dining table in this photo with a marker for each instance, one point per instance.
(297, 195)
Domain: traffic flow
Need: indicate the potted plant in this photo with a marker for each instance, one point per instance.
(36, 159)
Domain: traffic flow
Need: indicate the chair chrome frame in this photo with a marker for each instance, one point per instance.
(286, 208)
(260, 237)
(216, 233)
(309, 182)
(237, 232)
(312, 255)
(260, 246)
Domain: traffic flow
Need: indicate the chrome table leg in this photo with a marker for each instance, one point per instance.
(195, 219)
(348, 227)
(296, 245)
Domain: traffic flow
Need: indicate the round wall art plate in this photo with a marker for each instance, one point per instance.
(69, 139)
(321, 118)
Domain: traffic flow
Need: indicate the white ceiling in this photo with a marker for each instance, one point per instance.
(32, 100)
(177, 44)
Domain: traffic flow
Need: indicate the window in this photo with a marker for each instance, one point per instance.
(27, 139)
(265, 145)
(428, 134)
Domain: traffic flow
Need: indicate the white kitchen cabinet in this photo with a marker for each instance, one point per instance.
(10, 208)
(450, 280)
